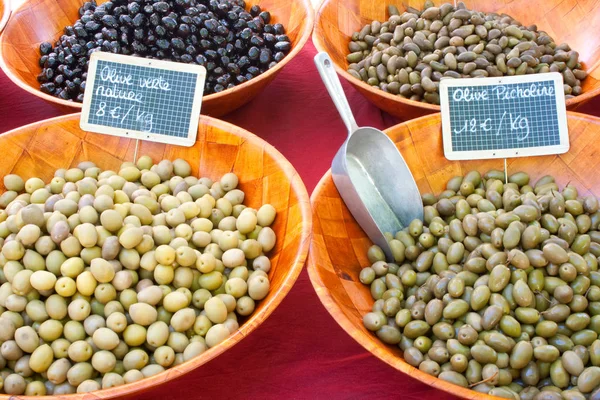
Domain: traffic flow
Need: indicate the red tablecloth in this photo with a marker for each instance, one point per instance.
(300, 351)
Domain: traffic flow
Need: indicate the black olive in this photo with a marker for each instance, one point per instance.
(138, 34)
(191, 11)
(99, 13)
(257, 41)
(232, 16)
(233, 68)
(45, 48)
(240, 24)
(211, 54)
(169, 23)
(133, 8)
(239, 45)
(183, 30)
(63, 94)
(80, 31)
(71, 87)
(48, 88)
(163, 44)
(211, 25)
(125, 19)
(254, 53)
(205, 44)
(255, 10)
(178, 44)
(222, 30)
(283, 46)
(139, 20)
(109, 34)
(243, 62)
(253, 70)
(76, 49)
(43, 60)
(246, 34)
(200, 60)
(161, 7)
(110, 21)
(265, 16)
(154, 19)
(279, 56)
(160, 30)
(92, 26)
(279, 30)
(219, 40)
(283, 38)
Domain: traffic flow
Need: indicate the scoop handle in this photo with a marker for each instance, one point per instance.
(336, 92)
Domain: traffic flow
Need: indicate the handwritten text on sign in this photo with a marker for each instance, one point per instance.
(145, 99)
(503, 117)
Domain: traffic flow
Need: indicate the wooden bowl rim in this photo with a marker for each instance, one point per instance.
(340, 317)
(256, 319)
(304, 36)
(318, 41)
(5, 14)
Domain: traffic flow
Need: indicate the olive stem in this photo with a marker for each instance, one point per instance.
(485, 380)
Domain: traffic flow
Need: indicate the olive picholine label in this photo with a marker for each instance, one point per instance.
(511, 116)
(141, 98)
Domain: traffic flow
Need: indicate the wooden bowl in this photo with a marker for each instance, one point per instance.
(570, 21)
(339, 246)
(4, 13)
(38, 21)
(265, 176)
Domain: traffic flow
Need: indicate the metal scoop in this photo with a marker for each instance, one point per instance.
(369, 171)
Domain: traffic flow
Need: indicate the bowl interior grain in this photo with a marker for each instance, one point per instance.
(265, 176)
(38, 21)
(571, 21)
(4, 13)
(339, 246)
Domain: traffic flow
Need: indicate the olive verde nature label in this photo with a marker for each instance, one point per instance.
(145, 99)
(512, 116)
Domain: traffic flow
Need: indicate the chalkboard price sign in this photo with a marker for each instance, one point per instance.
(142, 98)
(512, 116)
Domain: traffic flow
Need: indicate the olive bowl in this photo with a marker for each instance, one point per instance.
(37, 21)
(38, 149)
(570, 21)
(339, 246)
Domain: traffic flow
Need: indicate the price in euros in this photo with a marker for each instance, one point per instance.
(516, 125)
(143, 118)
